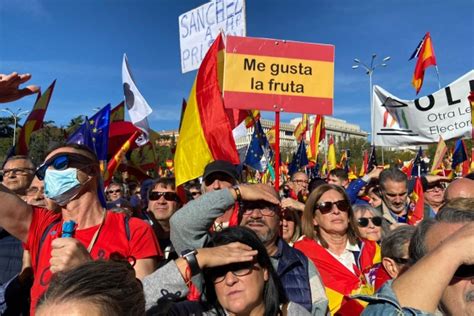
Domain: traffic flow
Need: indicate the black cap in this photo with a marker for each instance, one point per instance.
(220, 166)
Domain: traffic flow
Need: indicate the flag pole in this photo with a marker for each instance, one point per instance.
(437, 73)
(277, 149)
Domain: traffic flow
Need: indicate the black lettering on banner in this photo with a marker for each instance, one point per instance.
(430, 105)
(450, 97)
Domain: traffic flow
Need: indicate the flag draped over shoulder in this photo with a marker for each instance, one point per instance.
(206, 134)
(138, 108)
(332, 164)
(34, 121)
(318, 133)
(416, 212)
(426, 57)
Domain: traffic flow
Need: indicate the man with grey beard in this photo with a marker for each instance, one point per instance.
(259, 211)
(441, 277)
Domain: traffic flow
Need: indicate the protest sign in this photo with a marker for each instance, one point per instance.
(199, 27)
(293, 76)
(445, 113)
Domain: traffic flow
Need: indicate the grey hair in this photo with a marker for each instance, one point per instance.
(393, 244)
(361, 208)
(393, 174)
(417, 248)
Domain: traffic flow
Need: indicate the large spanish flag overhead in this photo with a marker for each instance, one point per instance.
(206, 133)
(34, 120)
(426, 58)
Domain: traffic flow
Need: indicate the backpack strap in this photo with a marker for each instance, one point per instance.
(43, 237)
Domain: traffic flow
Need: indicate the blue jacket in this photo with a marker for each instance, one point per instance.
(293, 272)
(385, 302)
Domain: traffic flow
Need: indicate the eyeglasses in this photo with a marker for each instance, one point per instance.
(326, 207)
(17, 171)
(437, 187)
(114, 191)
(364, 221)
(464, 271)
(266, 209)
(238, 269)
(195, 193)
(169, 196)
(61, 162)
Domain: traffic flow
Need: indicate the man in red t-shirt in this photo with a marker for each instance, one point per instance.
(71, 175)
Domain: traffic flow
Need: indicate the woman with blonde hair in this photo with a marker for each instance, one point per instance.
(346, 262)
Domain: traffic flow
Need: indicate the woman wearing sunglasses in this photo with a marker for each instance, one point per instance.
(346, 262)
(370, 223)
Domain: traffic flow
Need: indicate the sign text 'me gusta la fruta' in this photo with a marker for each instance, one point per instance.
(272, 75)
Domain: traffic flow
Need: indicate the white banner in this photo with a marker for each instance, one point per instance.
(199, 28)
(445, 113)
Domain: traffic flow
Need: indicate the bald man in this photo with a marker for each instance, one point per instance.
(462, 187)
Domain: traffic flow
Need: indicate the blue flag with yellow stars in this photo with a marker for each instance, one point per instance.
(259, 152)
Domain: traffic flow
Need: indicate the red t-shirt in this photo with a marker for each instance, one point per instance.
(112, 239)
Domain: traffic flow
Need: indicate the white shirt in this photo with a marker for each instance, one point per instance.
(347, 257)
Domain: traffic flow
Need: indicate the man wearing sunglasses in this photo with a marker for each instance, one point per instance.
(259, 211)
(71, 177)
(163, 202)
(442, 272)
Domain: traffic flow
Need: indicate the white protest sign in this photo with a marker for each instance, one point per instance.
(445, 113)
(199, 27)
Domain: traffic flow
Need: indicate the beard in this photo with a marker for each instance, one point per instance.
(265, 233)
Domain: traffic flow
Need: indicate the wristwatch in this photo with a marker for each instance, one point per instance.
(190, 256)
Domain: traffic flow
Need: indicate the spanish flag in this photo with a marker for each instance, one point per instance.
(206, 133)
(118, 157)
(318, 133)
(426, 57)
(252, 117)
(34, 120)
(441, 150)
(301, 128)
(415, 215)
(331, 155)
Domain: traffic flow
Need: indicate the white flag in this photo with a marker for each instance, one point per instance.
(138, 108)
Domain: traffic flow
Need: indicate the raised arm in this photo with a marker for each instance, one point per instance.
(15, 214)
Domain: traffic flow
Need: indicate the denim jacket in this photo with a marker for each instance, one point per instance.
(385, 302)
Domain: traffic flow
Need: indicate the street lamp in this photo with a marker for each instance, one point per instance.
(16, 116)
(369, 71)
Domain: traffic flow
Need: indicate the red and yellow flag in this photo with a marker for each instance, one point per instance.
(332, 164)
(206, 133)
(34, 120)
(271, 136)
(118, 157)
(441, 150)
(117, 114)
(318, 133)
(426, 58)
(415, 215)
(301, 128)
(252, 117)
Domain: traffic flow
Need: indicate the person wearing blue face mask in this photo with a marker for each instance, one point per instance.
(71, 175)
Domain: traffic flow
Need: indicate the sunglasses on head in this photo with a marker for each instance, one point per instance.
(169, 196)
(326, 207)
(238, 269)
(364, 221)
(61, 162)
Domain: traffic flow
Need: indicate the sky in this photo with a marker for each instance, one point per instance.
(81, 44)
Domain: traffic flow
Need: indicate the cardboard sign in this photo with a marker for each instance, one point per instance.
(271, 75)
(199, 27)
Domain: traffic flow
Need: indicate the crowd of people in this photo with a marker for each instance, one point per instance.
(225, 247)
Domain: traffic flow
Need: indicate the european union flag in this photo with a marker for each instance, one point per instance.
(259, 153)
(82, 136)
(459, 155)
(100, 123)
(300, 159)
